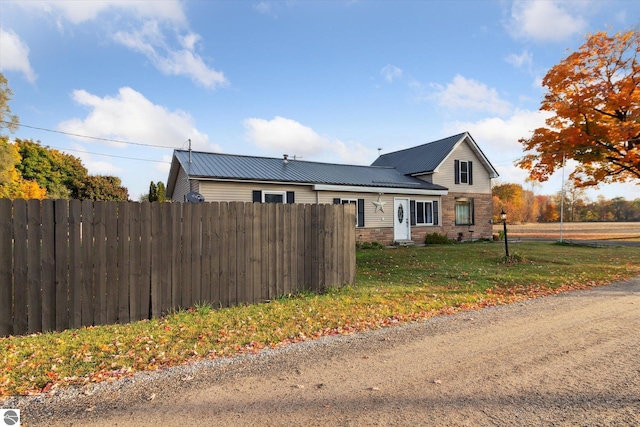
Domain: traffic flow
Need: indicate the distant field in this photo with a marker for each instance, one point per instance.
(575, 230)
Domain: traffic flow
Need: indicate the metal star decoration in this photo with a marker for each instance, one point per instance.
(379, 204)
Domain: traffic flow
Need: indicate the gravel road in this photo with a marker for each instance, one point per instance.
(571, 359)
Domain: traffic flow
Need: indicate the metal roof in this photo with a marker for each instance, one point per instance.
(251, 168)
(424, 158)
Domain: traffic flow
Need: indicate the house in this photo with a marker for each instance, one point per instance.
(439, 187)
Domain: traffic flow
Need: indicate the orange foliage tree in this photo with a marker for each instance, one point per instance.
(594, 96)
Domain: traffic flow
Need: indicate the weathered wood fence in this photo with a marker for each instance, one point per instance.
(66, 264)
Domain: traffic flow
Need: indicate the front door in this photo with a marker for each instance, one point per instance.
(401, 223)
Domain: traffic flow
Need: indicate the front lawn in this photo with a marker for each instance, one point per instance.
(393, 286)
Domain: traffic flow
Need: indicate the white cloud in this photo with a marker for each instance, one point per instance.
(78, 12)
(524, 60)
(391, 73)
(546, 20)
(266, 8)
(150, 41)
(502, 134)
(469, 94)
(14, 55)
(130, 116)
(285, 136)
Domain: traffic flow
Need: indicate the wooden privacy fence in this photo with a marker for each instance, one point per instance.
(70, 263)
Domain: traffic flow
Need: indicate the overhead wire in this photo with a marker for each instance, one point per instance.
(89, 137)
(99, 139)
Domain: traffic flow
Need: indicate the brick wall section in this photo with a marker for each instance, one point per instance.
(382, 235)
(483, 209)
(482, 229)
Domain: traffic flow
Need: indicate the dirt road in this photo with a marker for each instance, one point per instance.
(572, 359)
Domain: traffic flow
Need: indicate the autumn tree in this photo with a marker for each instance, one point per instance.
(99, 187)
(62, 174)
(12, 184)
(594, 96)
(7, 120)
(520, 204)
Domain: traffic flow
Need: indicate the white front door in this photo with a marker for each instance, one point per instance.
(401, 223)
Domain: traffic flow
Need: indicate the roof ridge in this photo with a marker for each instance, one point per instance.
(426, 143)
(290, 159)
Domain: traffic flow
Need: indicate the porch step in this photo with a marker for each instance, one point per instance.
(404, 242)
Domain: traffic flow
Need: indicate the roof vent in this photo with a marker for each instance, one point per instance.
(285, 159)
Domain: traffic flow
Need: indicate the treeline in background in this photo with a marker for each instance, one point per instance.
(523, 205)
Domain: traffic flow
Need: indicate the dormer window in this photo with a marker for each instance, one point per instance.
(463, 172)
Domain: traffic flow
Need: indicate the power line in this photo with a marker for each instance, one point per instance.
(109, 155)
(88, 137)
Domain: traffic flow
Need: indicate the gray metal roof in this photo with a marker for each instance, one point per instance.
(424, 158)
(251, 168)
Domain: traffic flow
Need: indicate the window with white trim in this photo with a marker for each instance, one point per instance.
(424, 212)
(274, 197)
(463, 170)
(464, 173)
(358, 203)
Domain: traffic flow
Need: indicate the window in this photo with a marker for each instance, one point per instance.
(424, 212)
(359, 203)
(463, 172)
(273, 196)
(464, 211)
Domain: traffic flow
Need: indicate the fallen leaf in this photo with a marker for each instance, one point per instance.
(437, 381)
(374, 389)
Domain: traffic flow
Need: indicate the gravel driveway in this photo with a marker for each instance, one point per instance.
(572, 359)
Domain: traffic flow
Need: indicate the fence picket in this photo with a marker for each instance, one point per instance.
(6, 268)
(34, 266)
(75, 264)
(48, 267)
(61, 261)
(144, 286)
(111, 288)
(124, 261)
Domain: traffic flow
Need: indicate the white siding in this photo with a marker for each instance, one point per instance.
(446, 175)
(219, 191)
(181, 188)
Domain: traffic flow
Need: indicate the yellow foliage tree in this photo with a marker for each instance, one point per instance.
(12, 185)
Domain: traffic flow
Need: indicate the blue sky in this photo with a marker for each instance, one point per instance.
(328, 81)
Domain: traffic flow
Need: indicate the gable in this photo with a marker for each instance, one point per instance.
(429, 158)
(448, 172)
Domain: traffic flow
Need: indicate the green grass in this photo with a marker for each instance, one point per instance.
(393, 286)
